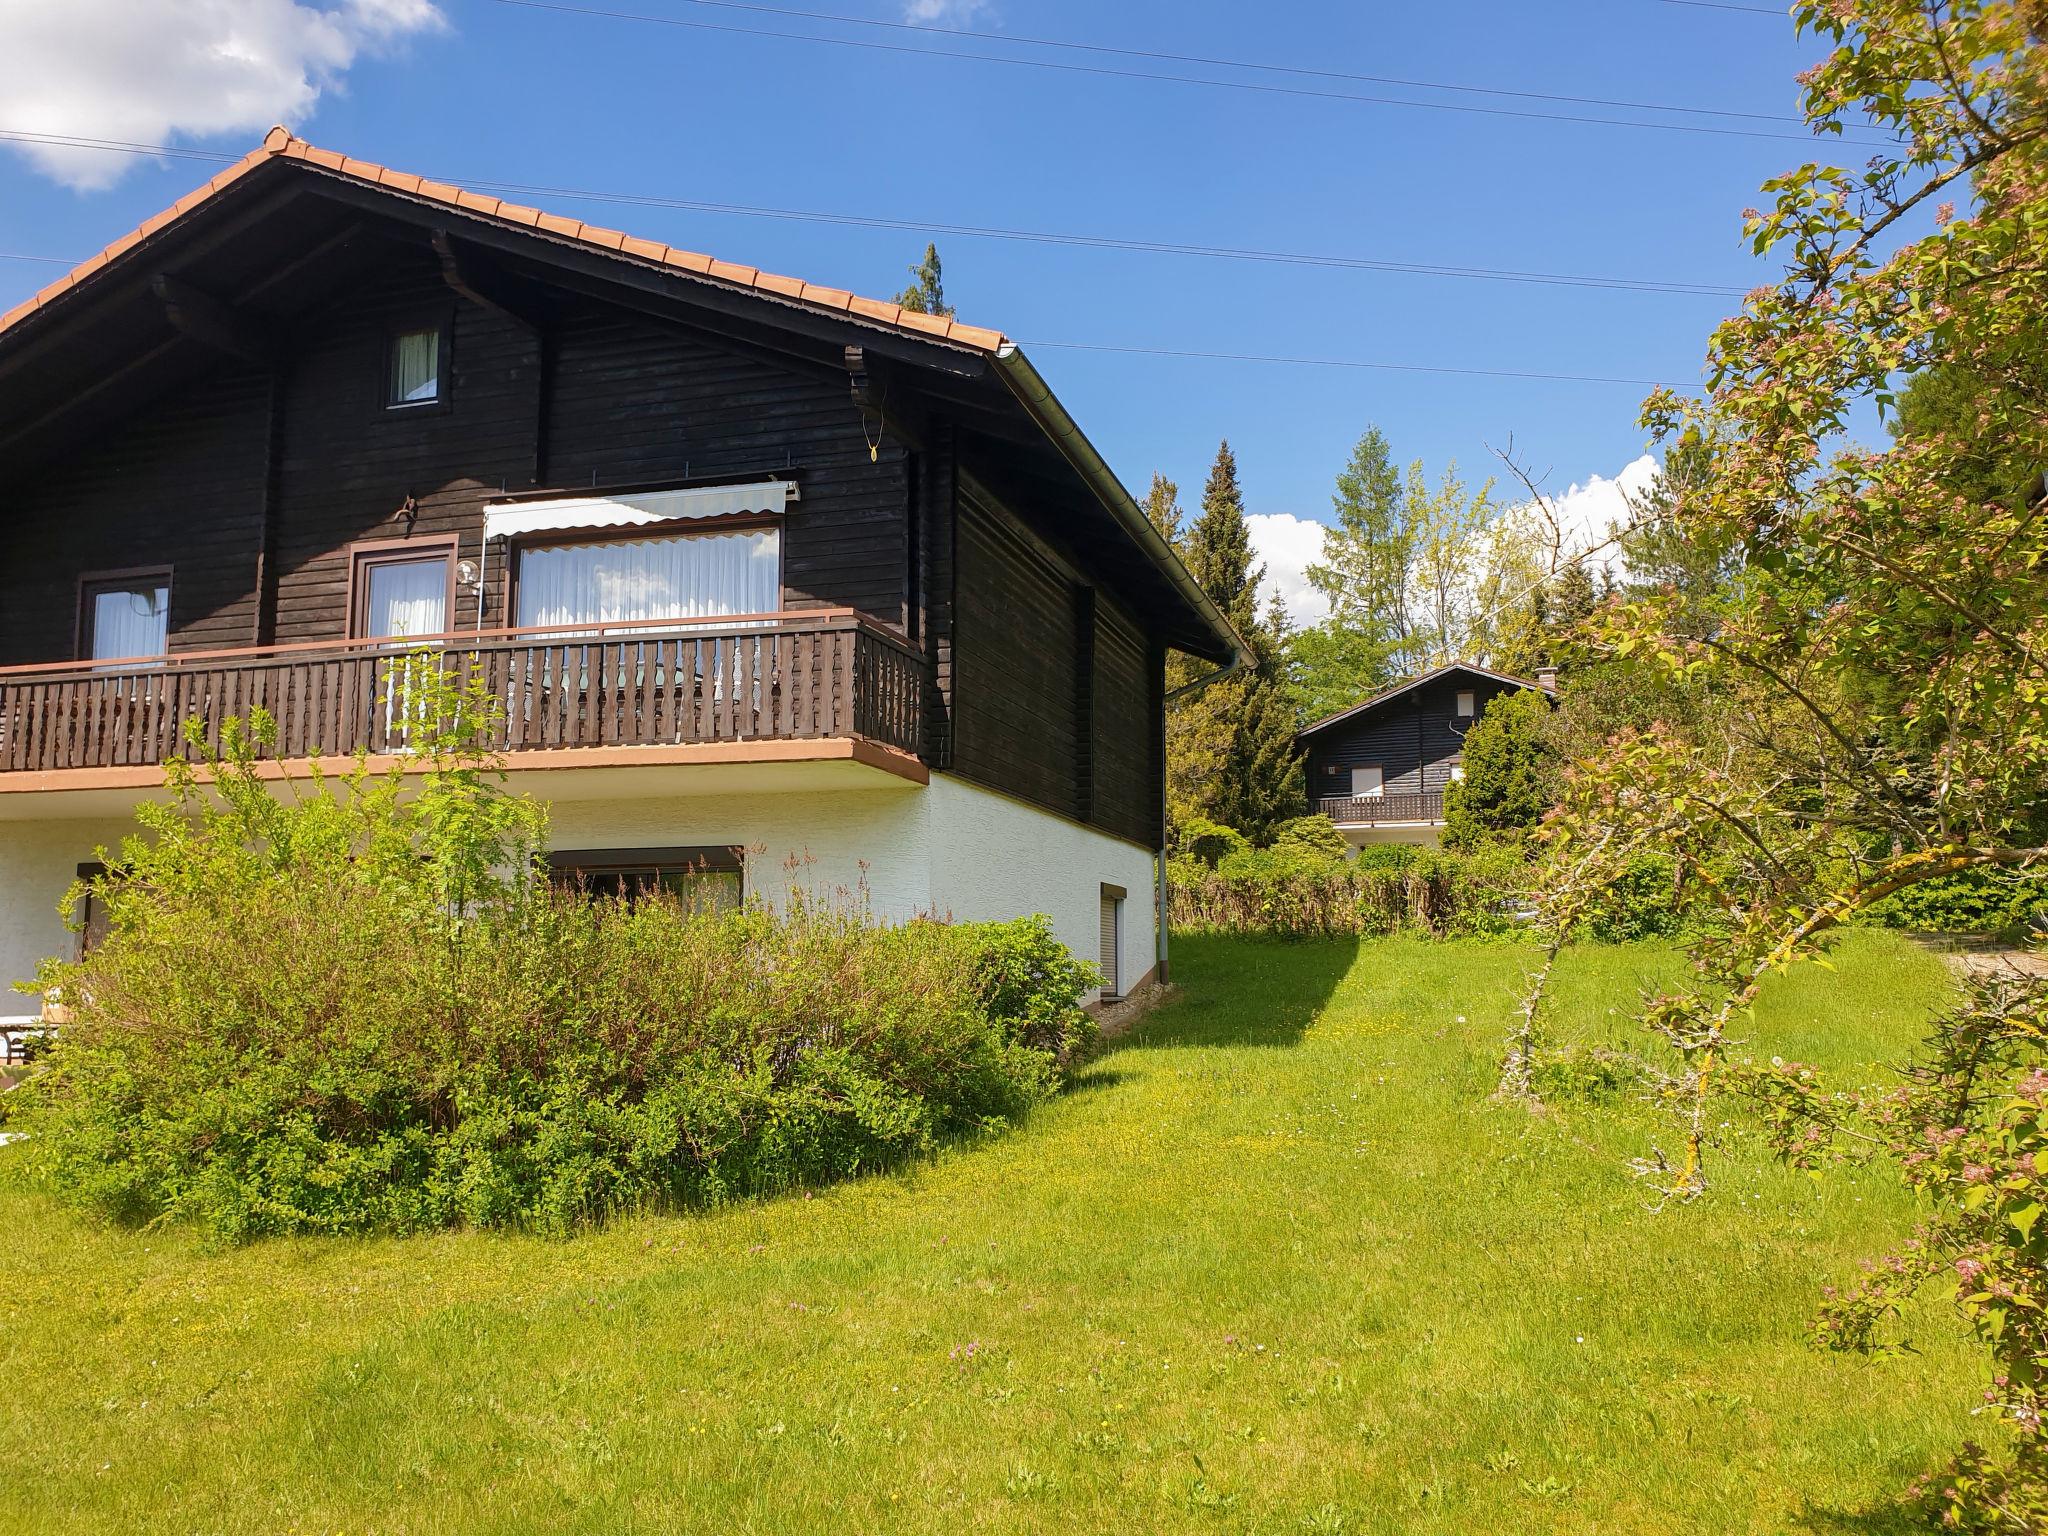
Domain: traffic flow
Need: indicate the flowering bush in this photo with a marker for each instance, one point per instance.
(360, 1007)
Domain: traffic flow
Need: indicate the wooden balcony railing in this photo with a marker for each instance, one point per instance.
(1376, 810)
(758, 677)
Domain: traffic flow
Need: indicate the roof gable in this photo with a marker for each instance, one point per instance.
(1388, 695)
(255, 244)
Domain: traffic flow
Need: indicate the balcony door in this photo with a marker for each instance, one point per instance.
(403, 591)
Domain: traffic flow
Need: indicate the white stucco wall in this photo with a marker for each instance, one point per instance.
(948, 849)
(38, 861)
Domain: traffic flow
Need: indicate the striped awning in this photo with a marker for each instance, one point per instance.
(634, 509)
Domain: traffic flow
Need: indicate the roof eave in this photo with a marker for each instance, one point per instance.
(1036, 396)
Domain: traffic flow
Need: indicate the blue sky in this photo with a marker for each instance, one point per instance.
(483, 89)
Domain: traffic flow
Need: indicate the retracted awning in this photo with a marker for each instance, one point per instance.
(635, 509)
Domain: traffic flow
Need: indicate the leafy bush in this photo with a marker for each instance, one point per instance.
(1970, 901)
(1312, 835)
(1209, 842)
(1640, 904)
(360, 1008)
(1271, 892)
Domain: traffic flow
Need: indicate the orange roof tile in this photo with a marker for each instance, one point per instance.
(281, 143)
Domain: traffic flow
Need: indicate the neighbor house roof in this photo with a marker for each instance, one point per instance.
(1410, 686)
(280, 143)
(1211, 635)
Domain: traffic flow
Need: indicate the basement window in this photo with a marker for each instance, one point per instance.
(700, 879)
(415, 366)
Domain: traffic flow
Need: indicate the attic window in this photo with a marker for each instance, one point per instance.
(1466, 703)
(414, 374)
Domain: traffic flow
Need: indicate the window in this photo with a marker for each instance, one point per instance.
(1467, 704)
(92, 912)
(399, 589)
(1367, 783)
(1457, 770)
(701, 879)
(712, 574)
(413, 367)
(124, 614)
(1112, 941)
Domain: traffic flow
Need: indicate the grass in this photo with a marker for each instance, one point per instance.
(1275, 1266)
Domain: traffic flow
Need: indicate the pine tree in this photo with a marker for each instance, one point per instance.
(1230, 747)
(1364, 569)
(1162, 508)
(926, 294)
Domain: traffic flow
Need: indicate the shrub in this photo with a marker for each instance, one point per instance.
(1508, 771)
(360, 1008)
(1641, 903)
(1272, 892)
(1995, 901)
(1209, 842)
(1312, 835)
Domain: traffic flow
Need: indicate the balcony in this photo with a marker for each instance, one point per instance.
(729, 690)
(1418, 808)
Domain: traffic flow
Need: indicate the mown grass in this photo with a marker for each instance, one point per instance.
(1274, 1266)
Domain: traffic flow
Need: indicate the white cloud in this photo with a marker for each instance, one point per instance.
(1589, 511)
(150, 71)
(946, 13)
(1288, 544)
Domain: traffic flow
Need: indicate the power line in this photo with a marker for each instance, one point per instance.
(1027, 236)
(1162, 56)
(1261, 88)
(1345, 362)
(1781, 13)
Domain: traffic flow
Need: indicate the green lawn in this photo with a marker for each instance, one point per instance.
(1275, 1266)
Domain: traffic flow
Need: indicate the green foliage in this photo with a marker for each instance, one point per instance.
(1162, 509)
(1300, 893)
(409, 1030)
(1639, 901)
(1510, 770)
(1230, 754)
(1991, 901)
(1333, 665)
(1210, 843)
(1364, 567)
(1313, 835)
(926, 294)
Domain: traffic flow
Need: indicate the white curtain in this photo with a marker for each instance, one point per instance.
(131, 622)
(415, 367)
(683, 576)
(408, 597)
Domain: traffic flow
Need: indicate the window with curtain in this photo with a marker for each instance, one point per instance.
(129, 617)
(675, 576)
(415, 368)
(401, 594)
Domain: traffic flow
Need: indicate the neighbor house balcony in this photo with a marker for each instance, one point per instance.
(764, 688)
(1414, 808)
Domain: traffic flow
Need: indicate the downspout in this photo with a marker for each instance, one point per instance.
(1037, 398)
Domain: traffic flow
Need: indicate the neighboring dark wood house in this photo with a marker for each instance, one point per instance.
(1379, 768)
(759, 570)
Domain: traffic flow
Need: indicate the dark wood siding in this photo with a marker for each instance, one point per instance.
(1014, 698)
(1057, 688)
(1414, 738)
(633, 400)
(180, 485)
(350, 467)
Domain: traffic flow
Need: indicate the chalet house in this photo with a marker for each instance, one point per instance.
(1378, 769)
(772, 582)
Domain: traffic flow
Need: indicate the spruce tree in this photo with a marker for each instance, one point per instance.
(1162, 508)
(926, 294)
(1230, 747)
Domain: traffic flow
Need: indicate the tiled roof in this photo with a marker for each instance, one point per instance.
(281, 144)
